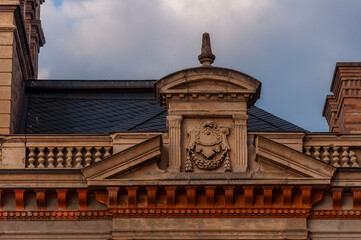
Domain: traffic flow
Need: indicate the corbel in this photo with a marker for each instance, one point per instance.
(171, 190)
(83, 198)
(306, 196)
(317, 196)
(337, 198)
(229, 194)
(101, 197)
(356, 192)
(40, 199)
(19, 199)
(191, 196)
(62, 198)
(132, 196)
(267, 196)
(210, 196)
(287, 196)
(112, 197)
(248, 196)
(151, 196)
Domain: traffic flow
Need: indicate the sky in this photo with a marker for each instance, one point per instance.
(291, 46)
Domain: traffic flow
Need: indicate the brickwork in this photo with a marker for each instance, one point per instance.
(6, 53)
(18, 58)
(17, 88)
(343, 109)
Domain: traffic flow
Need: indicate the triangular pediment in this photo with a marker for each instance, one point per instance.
(284, 161)
(125, 161)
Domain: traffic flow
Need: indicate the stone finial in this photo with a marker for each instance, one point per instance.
(206, 58)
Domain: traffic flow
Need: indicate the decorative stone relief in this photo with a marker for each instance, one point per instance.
(208, 147)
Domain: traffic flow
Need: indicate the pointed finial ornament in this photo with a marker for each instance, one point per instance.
(206, 58)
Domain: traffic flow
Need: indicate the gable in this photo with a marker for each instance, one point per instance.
(129, 159)
(206, 84)
(294, 162)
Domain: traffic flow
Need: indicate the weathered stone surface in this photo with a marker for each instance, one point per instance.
(214, 228)
(206, 178)
(94, 230)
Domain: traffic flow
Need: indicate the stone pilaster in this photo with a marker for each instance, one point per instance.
(240, 133)
(7, 29)
(174, 128)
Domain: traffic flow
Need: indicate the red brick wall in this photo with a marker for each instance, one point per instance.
(346, 99)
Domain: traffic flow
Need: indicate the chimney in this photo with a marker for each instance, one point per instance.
(342, 109)
(21, 36)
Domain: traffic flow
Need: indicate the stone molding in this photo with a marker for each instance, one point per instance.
(207, 84)
(295, 161)
(125, 160)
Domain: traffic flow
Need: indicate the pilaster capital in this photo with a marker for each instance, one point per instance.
(240, 119)
(174, 120)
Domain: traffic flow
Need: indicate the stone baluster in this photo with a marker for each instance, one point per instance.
(41, 157)
(107, 152)
(88, 156)
(51, 157)
(60, 158)
(353, 159)
(31, 157)
(78, 157)
(326, 155)
(345, 158)
(98, 154)
(335, 157)
(69, 157)
(316, 153)
(308, 151)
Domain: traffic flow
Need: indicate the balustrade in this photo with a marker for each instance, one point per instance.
(76, 157)
(337, 156)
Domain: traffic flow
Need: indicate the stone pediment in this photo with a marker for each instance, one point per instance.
(131, 158)
(207, 83)
(295, 164)
(281, 165)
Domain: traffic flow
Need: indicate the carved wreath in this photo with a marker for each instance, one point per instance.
(208, 147)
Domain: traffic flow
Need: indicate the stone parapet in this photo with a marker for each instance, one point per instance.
(20, 152)
(334, 149)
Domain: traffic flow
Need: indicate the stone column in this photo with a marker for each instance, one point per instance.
(240, 132)
(174, 130)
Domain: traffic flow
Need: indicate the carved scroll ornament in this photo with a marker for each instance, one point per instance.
(208, 147)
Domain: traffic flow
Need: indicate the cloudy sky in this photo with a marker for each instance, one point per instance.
(290, 45)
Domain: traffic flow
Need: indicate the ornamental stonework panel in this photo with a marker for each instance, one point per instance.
(208, 148)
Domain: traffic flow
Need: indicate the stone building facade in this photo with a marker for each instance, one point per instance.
(188, 156)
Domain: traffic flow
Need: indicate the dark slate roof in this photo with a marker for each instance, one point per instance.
(261, 120)
(100, 107)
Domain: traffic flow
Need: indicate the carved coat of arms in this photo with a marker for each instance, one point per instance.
(208, 147)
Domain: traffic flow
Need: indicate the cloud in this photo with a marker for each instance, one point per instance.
(291, 46)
